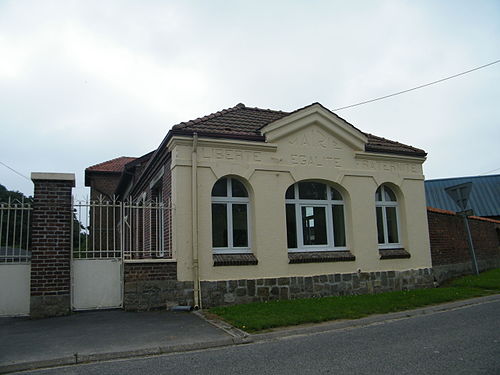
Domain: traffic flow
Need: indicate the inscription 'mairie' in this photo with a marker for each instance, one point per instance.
(315, 138)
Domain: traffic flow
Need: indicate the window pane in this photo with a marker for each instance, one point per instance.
(389, 195)
(291, 227)
(220, 188)
(219, 225)
(240, 227)
(336, 195)
(378, 195)
(314, 225)
(290, 192)
(392, 224)
(338, 226)
(237, 189)
(312, 190)
(380, 225)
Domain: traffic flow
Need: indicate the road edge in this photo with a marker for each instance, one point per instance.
(239, 337)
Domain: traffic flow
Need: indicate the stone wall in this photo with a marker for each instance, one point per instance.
(150, 286)
(450, 271)
(449, 247)
(218, 293)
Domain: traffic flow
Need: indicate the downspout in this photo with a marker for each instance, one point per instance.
(194, 215)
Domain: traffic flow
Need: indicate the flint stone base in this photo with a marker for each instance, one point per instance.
(157, 294)
(231, 292)
(49, 306)
(451, 271)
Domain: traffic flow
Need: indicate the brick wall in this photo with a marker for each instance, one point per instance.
(103, 184)
(449, 246)
(150, 220)
(150, 271)
(167, 200)
(51, 245)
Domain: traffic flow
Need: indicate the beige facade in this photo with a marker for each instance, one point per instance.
(311, 144)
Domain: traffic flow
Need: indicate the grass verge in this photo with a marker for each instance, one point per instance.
(256, 317)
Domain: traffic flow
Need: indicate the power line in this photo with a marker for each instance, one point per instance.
(417, 87)
(493, 170)
(13, 170)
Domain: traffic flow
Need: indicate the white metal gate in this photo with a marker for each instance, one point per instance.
(15, 256)
(110, 233)
(97, 259)
(97, 284)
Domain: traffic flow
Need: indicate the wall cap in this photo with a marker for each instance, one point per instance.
(159, 260)
(35, 176)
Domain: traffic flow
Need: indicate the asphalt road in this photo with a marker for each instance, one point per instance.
(461, 341)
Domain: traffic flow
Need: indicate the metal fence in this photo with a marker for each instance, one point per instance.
(15, 224)
(132, 230)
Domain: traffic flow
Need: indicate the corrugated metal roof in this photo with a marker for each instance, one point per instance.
(484, 198)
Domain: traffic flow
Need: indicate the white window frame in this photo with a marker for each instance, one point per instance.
(328, 204)
(384, 204)
(229, 200)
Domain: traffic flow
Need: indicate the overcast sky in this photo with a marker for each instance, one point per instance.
(82, 82)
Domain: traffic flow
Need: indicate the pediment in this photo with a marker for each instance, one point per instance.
(316, 115)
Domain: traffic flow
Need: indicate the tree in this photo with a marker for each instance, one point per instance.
(15, 221)
(15, 218)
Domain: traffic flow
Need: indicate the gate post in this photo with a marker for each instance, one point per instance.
(51, 244)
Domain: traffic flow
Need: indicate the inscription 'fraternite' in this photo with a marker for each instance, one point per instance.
(393, 167)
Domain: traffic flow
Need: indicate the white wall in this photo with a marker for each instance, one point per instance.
(314, 146)
(15, 289)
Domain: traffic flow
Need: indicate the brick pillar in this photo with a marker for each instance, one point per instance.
(51, 244)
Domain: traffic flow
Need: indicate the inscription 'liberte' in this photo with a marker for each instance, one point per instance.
(231, 154)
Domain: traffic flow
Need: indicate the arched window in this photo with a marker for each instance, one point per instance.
(387, 217)
(314, 217)
(230, 219)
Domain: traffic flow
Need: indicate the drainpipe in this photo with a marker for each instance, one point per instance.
(194, 214)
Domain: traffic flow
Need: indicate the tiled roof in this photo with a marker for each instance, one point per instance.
(379, 144)
(113, 165)
(245, 122)
(238, 120)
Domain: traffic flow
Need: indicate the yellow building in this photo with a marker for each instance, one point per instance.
(265, 204)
